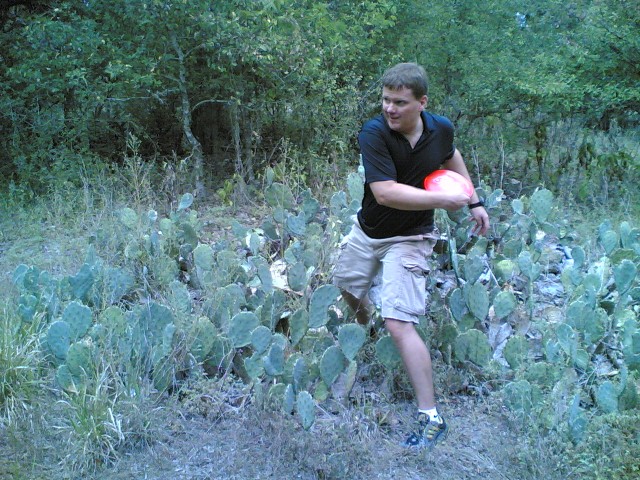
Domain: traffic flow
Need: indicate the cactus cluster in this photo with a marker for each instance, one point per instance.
(228, 309)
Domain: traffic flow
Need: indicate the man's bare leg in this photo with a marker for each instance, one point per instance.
(416, 358)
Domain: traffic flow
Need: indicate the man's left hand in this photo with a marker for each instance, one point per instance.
(481, 217)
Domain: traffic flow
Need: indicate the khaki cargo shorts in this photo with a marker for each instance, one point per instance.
(404, 262)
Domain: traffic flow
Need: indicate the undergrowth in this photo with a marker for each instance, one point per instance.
(144, 265)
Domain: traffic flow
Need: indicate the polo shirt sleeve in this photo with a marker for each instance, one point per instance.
(376, 157)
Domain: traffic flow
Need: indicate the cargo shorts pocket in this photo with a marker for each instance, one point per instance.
(410, 290)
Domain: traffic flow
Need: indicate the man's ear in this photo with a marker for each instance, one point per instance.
(424, 101)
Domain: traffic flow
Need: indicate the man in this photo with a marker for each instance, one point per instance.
(395, 228)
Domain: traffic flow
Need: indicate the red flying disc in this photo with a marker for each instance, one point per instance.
(447, 181)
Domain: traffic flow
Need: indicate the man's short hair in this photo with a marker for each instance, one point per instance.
(407, 75)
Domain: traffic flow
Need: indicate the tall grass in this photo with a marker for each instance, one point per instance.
(19, 364)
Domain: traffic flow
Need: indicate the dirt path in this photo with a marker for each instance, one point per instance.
(256, 444)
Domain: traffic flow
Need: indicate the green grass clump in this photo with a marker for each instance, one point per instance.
(19, 363)
(610, 449)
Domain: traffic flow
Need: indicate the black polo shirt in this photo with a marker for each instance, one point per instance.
(387, 155)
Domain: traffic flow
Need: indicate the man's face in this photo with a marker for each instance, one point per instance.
(401, 109)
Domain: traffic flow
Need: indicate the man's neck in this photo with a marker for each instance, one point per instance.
(416, 133)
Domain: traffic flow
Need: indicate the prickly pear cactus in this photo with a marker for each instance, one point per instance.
(274, 360)
(306, 408)
(203, 259)
(82, 282)
(254, 366)
(473, 345)
(528, 267)
(541, 203)
(279, 195)
(261, 339)
(80, 360)
(27, 307)
(457, 304)
(297, 277)
(203, 339)
(113, 320)
(221, 353)
(624, 275)
(321, 300)
(355, 186)
(577, 420)
(59, 338)
(387, 353)
(289, 400)
(477, 299)
(521, 396)
(332, 364)
(79, 318)
(300, 374)
(516, 351)
(609, 240)
(504, 303)
(240, 328)
(351, 337)
(607, 397)
(65, 379)
(473, 267)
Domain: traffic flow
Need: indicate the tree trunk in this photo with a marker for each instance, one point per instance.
(191, 140)
(540, 136)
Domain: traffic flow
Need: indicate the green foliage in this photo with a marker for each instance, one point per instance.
(472, 345)
(351, 338)
(387, 353)
(306, 408)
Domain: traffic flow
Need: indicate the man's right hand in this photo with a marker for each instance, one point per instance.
(451, 201)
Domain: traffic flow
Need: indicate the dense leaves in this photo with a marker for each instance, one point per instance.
(236, 86)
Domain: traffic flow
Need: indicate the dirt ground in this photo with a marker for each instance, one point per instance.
(357, 441)
(259, 445)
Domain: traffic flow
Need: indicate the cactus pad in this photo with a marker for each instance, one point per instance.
(478, 300)
(59, 338)
(504, 270)
(240, 328)
(624, 275)
(473, 268)
(297, 277)
(387, 353)
(541, 203)
(521, 396)
(351, 338)
(321, 300)
(204, 337)
(289, 400)
(607, 397)
(254, 366)
(473, 345)
(516, 351)
(79, 318)
(300, 374)
(332, 364)
(306, 408)
(65, 379)
(80, 360)
(504, 303)
(203, 257)
(274, 360)
(279, 195)
(457, 304)
(261, 339)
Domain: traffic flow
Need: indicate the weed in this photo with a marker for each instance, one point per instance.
(19, 363)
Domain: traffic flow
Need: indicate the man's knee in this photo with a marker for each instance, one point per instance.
(398, 328)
